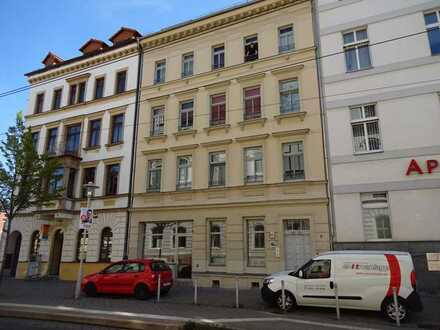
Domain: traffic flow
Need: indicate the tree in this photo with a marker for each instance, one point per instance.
(23, 176)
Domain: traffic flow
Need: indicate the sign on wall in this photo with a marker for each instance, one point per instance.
(433, 260)
(427, 167)
(85, 218)
(45, 231)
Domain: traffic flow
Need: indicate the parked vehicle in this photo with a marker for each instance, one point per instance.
(364, 279)
(137, 277)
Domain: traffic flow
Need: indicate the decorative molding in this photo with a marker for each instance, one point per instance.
(91, 163)
(181, 133)
(252, 138)
(185, 147)
(301, 115)
(287, 69)
(154, 151)
(220, 84)
(256, 121)
(295, 132)
(81, 77)
(209, 130)
(113, 160)
(259, 75)
(216, 143)
(160, 138)
(94, 148)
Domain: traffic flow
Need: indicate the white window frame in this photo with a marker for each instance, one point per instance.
(158, 121)
(214, 164)
(293, 154)
(290, 36)
(216, 53)
(356, 44)
(364, 121)
(185, 111)
(257, 179)
(154, 166)
(160, 67)
(188, 173)
(187, 65)
(381, 204)
(161, 235)
(432, 26)
(217, 251)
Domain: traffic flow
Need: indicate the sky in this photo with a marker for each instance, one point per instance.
(32, 28)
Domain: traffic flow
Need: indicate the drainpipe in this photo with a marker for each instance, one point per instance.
(133, 147)
(324, 126)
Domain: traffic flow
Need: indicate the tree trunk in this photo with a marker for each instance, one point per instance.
(8, 230)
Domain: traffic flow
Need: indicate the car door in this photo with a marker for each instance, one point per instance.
(315, 284)
(109, 281)
(130, 276)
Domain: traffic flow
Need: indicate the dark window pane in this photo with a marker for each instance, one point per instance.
(57, 99)
(350, 59)
(364, 57)
(72, 94)
(94, 133)
(82, 92)
(121, 81)
(112, 179)
(106, 249)
(434, 40)
(430, 18)
(117, 128)
(99, 88)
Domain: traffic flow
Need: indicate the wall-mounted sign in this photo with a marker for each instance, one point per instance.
(433, 260)
(427, 167)
(85, 218)
(45, 231)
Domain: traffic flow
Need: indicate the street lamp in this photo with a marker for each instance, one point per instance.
(90, 187)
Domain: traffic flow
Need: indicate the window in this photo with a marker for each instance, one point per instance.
(159, 72)
(34, 245)
(111, 187)
(158, 121)
(187, 65)
(218, 57)
(357, 51)
(286, 41)
(81, 243)
(116, 268)
(289, 96)
(251, 48)
(298, 226)
(252, 103)
(293, 160)
(181, 237)
(256, 243)
(51, 140)
(71, 183)
(56, 102)
(184, 172)
(317, 269)
(157, 236)
(105, 251)
(432, 22)
(73, 134)
(253, 164)
(56, 182)
(186, 115)
(99, 88)
(218, 109)
(94, 133)
(88, 176)
(117, 129)
(121, 82)
(217, 251)
(39, 103)
(133, 267)
(154, 174)
(365, 127)
(217, 168)
(35, 139)
(77, 93)
(376, 216)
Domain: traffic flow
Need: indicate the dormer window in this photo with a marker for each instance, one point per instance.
(251, 48)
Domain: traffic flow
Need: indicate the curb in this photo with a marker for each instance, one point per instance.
(91, 317)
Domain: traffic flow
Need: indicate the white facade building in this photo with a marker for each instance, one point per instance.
(380, 72)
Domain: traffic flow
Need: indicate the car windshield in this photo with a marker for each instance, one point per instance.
(157, 266)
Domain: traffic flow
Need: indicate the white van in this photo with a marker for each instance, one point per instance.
(365, 280)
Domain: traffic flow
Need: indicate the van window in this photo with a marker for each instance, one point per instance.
(317, 269)
(157, 266)
(134, 267)
(116, 268)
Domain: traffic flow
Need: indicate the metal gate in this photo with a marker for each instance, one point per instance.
(297, 243)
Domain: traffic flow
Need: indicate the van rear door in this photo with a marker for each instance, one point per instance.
(316, 287)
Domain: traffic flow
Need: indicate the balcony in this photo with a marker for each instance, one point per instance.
(67, 153)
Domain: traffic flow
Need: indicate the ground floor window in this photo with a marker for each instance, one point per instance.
(217, 250)
(35, 245)
(256, 243)
(105, 253)
(376, 216)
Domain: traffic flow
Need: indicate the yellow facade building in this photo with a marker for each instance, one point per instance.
(230, 177)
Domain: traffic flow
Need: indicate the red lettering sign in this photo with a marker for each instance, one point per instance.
(414, 167)
(431, 165)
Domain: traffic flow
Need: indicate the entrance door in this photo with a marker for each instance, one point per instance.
(297, 243)
(13, 252)
(57, 248)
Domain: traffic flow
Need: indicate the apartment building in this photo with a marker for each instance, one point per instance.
(382, 108)
(81, 111)
(230, 178)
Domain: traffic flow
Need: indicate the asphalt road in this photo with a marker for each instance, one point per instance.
(17, 324)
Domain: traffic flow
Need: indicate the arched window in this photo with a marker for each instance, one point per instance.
(35, 245)
(105, 253)
(79, 242)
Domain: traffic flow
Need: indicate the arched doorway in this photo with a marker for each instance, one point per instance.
(55, 256)
(12, 253)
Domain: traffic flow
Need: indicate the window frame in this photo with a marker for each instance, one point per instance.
(112, 129)
(364, 121)
(51, 148)
(293, 154)
(39, 106)
(76, 144)
(107, 247)
(356, 45)
(219, 108)
(156, 236)
(292, 39)
(251, 240)
(187, 113)
(94, 134)
(187, 185)
(162, 70)
(217, 164)
(107, 178)
(220, 237)
(161, 125)
(432, 27)
(95, 90)
(117, 81)
(221, 55)
(85, 179)
(253, 114)
(295, 107)
(57, 105)
(257, 178)
(75, 94)
(188, 63)
(247, 43)
(382, 205)
(151, 171)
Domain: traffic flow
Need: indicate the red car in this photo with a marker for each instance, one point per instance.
(137, 277)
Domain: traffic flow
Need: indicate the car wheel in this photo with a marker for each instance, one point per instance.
(389, 310)
(141, 292)
(290, 301)
(90, 290)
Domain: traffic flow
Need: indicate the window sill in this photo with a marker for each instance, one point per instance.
(161, 138)
(300, 114)
(108, 145)
(185, 132)
(359, 70)
(368, 152)
(246, 122)
(92, 148)
(210, 129)
(380, 240)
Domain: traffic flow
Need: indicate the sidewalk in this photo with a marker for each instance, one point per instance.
(215, 305)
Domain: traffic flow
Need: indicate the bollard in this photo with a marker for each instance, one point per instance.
(158, 288)
(237, 304)
(396, 306)
(338, 312)
(283, 296)
(195, 292)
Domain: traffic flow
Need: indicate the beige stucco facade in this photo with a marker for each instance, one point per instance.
(274, 201)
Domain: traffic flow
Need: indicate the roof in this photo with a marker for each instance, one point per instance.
(93, 41)
(362, 252)
(124, 29)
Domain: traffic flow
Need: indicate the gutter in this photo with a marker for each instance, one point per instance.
(324, 127)
(133, 147)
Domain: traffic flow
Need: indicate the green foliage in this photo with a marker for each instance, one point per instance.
(23, 173)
